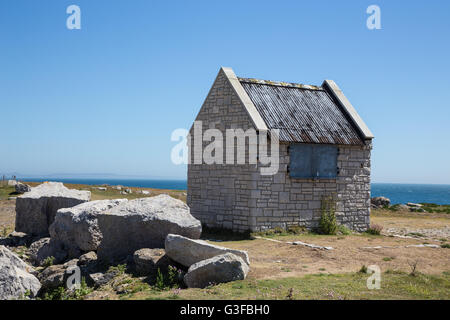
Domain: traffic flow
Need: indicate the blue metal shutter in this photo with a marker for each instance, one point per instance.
(301, 158)
(313, 161)
(324, 161)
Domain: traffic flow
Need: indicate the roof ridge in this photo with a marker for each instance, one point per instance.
(281, 84)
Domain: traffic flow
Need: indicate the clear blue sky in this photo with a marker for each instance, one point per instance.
(105, 99)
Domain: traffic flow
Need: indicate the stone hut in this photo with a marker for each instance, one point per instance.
(323, 151)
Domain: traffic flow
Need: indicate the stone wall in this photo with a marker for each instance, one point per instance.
(238, 197)
(283, 201)
(219, 194)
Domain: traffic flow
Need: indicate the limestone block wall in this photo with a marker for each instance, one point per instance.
(282, 201)
(218, 194)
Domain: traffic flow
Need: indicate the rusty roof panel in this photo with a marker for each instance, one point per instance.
(302, 113)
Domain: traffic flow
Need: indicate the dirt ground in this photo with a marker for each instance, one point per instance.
(270, 259)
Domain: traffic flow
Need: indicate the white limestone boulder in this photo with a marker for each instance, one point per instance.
(219, 269)
(189, 251)
(16, 281)
(143, 223)
(36, 210)
(77, 227)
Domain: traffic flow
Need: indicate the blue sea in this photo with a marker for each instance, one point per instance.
(398, 193)
(417, 193)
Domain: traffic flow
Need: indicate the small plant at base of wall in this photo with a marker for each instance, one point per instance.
(328, 224)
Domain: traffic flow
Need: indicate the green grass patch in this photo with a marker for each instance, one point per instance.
(6, 192)
(394, 285)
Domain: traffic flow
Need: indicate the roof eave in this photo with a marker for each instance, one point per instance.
(332, 88)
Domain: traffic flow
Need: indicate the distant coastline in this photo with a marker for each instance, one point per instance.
(397, 192)
(139, 183)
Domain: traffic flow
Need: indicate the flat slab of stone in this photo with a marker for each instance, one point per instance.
(36, 210)
(189, 251)
(143, 223)
(219, 269)
(15, 277)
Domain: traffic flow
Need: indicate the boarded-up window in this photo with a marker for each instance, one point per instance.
(313, 161)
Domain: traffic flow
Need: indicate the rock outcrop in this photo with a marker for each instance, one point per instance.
(16, 281)
(143, 223)
(36, 210)
(22, 188)
(380, 202)
(188, 251)
(219, 269)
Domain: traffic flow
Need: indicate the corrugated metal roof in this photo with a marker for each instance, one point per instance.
(303, 113)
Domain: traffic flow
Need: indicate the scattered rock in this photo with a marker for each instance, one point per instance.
(36, 210)
(145, 192)
(99, 279)
(15, 278)
(56, 275)
(411, 204)
(129, 191)
(380, 202)
(188, 251)
(309, 245)
(219, 269)
(12, 183)
(403, 207)
(44, 248)
(102, 188)
(16, 239)
(143, 223)
(147, 261)
(22, 188)
(87, 258)
(77, 227)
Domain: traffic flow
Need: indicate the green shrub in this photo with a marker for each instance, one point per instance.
(297, 230)
(119, 269)
(445, 245)
(344, 230)
(363, 269)
(328, 224)
(160, 280)
(48, 261)
(61, 293)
